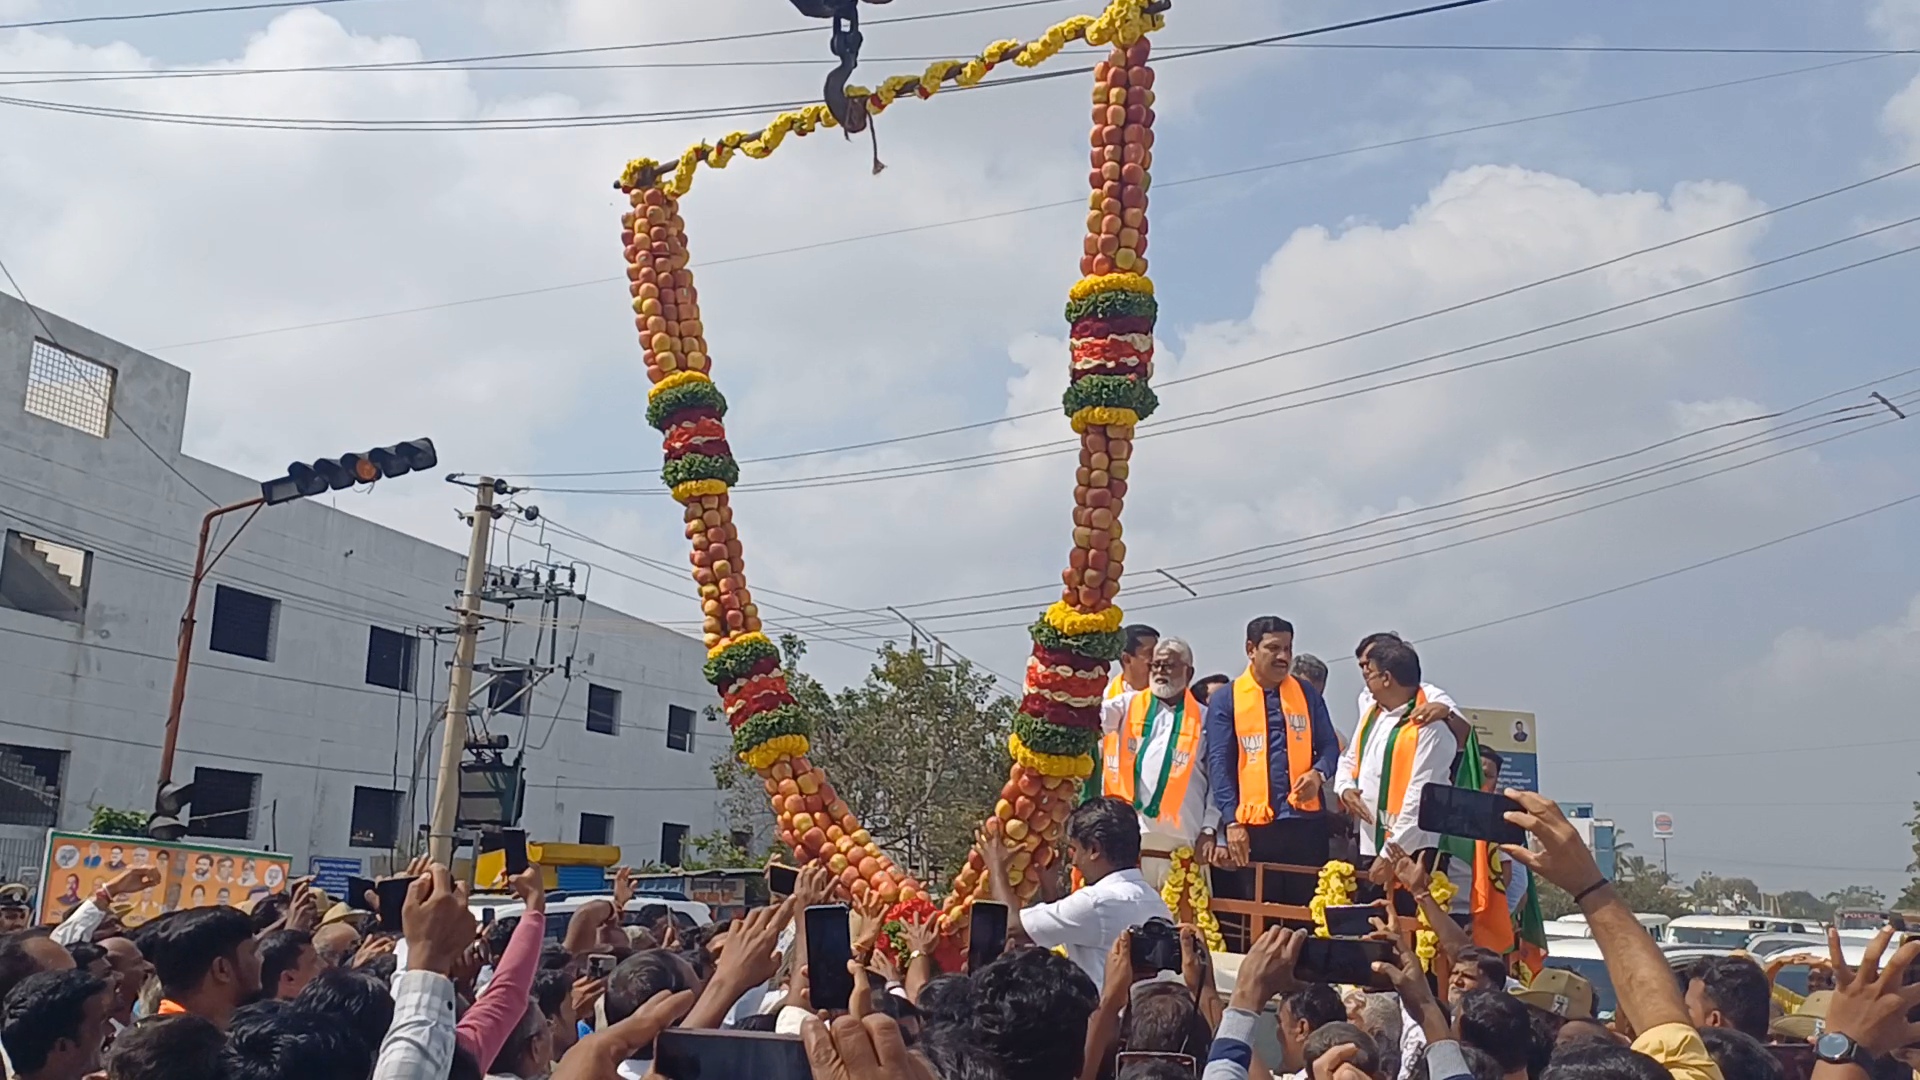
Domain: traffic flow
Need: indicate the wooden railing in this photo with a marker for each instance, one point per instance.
(1259, 911)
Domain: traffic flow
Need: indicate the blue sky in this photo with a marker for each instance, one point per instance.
(1756, 699)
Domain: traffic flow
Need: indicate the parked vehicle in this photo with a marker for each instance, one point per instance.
(684, 912)
(1582, 957)
(1656, 925)
(1731, 931)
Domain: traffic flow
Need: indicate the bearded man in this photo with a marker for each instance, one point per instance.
(1154, 740)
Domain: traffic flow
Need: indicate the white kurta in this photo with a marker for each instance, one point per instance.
(1432, 764)
(1196, 812)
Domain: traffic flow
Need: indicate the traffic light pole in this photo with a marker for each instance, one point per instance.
(453, 738)
(184, 654)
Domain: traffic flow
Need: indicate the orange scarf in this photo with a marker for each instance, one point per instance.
(1395, 769)
(1250, 730)
(1121, 747)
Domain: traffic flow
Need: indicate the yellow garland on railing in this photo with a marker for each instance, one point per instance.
(1123, 22)
(1073, 767)
(1333, 889)
(1187, 878)
(1426, 941)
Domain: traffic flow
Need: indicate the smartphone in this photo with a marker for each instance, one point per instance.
(987, 934)
(393, 898)
(1796, 1059)
(357, 890)
(1184, 1062)
(782, 879)
(1344, 961)
(514, 843)
(486, 916)
(600, 965)
(1469, 815)
(829, 948)
(1353, 920)
(690, 1054)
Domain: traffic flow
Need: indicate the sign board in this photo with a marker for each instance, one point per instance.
(1662, 825)
(331, 874)
(192, 875)
(1605, 848)
(1515, 737)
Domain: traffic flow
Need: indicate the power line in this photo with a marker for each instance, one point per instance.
(1211, 418)
(175, 13)
(665, 116)
(1775, 542)
(999, 214)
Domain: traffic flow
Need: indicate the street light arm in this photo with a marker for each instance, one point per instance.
(184, 655)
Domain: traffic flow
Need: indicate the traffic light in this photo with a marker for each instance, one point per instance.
(169, 820)
(306, 479)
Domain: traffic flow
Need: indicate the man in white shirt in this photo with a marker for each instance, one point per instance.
(1103, 843)
(1391, 761)
(1436, 705)
(1154, 757)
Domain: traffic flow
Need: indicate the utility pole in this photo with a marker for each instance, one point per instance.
(453, 740)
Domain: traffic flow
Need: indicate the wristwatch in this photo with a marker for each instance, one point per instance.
(1836, 1048)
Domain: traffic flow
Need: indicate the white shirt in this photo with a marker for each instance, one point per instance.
(1432, 764)
(1088, 922)
(1197, 812)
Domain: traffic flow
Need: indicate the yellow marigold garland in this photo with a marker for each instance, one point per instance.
(1104, 416)
(1099, 283)
(1076, 767)
(783, 746)
(1073, 624)
(738, 640)
(1426, 942)
(1334, 888)
(693, 489)
(678, 378)
(1124, 22)
(1187, 878)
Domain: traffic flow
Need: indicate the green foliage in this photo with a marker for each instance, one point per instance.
(917, 750)
(1555, 902)
(717, 851)
(1910, 899)
(1858, 896)
(110, 822)
(1801, 904)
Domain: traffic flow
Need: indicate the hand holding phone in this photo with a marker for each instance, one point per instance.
(1344, 961)
(514, 843)
(689, 1054)
(392, 896)
(1353, 920)
(360, 894)
(986, 934)
(829, 950)
(601, 965)
(781, 879)
(1470, 815)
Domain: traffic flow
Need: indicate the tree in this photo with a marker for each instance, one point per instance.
(1555, 902)
(110, 822)
(1910, 900)
(1858, 896)
(918, 751)
(1800, 904)
(1642, 885)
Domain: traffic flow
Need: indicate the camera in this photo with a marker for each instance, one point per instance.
(1156, 946)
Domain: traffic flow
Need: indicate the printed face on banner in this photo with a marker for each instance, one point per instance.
(79, 864)
(1515, 737)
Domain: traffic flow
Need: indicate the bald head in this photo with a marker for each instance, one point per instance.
(336, 943)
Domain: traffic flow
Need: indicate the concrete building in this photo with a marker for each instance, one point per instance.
(317, 681)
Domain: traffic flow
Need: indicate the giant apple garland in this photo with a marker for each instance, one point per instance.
(1110, 313)
(769, 730)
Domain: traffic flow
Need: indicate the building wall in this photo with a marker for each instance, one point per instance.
(306, 721)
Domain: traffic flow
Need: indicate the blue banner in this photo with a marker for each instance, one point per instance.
(332, 874)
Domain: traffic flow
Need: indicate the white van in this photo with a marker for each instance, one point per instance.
(491, 907)
(1731, 931)
(1575, 926)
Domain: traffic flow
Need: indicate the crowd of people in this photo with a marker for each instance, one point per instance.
(288, 990)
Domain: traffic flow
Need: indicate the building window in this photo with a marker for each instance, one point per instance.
(69, 389)
(603, 709)
(30, 785)
(743, 839)
(507, 693)
(223, 803)
(376, 818)
(44, 578)
(679, 729)
(243, 623)
(673, 844)
(390, 660)
(596, 828)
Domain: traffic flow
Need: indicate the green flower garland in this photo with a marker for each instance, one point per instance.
(1112, 305)
(1114, 391)
(661, 407)
(736, 660)
(1103, 646)
(1044, 738)
(700, 467)
(775, 722)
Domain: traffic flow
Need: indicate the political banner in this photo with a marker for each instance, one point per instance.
(330, 874)
(191, 875)
(1515, 737)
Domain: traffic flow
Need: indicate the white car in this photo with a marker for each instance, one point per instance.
(1731, 931)
(1582, 957)
(489, 908)
(1575, 926)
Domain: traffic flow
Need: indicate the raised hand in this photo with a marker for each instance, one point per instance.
(1562, 858)
(1871, 1005)
(438, 926)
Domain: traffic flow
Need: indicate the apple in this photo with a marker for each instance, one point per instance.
(837, 864)
(835, 833)
(1016, 829)
(788, 787)
(802, 822)
(1029, 783)
(813, 840)
(1023, 808)
(793, 804)
(861, 837)
(1003, 810)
